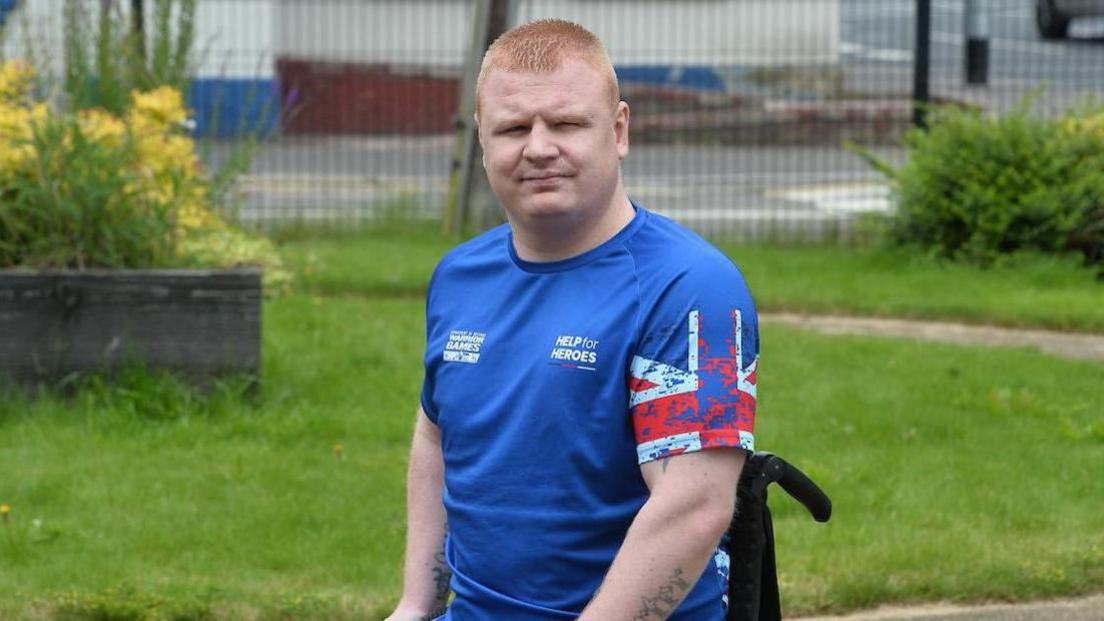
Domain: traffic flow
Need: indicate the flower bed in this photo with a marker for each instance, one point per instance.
(82, 191)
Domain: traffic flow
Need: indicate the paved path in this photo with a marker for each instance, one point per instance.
(1082, 609)
(1064, 344)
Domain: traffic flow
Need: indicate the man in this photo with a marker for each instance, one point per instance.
(589, 391)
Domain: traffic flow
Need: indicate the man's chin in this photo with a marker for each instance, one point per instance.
(548, 206)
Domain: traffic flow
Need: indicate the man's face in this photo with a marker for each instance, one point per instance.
(552, 142)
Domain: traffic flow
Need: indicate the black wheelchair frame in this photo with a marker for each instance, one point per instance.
(753, 577)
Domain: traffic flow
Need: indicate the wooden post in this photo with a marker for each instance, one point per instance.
(490, 18)
(138, 27)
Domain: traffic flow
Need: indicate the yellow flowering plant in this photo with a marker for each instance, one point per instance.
(1089, 124)
(96, 189)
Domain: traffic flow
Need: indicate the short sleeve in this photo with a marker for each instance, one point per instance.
(430, 362)
(692, 383)
(427, 403)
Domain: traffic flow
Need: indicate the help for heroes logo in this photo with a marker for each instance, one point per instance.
(575, 352)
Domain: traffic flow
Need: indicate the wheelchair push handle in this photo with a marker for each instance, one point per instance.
(796, 483)
(753, 578)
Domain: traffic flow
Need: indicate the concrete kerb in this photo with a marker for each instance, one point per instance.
(1089, 608)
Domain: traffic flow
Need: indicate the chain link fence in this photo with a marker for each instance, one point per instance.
(741, 108)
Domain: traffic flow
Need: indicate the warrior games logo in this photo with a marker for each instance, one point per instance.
(464, 346)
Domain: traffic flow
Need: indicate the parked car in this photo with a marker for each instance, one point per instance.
(1053, 16)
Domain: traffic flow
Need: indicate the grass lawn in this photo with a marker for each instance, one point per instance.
(1036, 292)
(213, 504)
(956, 473)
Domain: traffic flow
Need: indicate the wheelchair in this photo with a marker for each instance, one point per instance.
(753, 578)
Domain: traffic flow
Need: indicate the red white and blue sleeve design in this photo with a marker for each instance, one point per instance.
(692, 383)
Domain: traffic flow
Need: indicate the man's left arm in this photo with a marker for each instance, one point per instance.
(673, 536)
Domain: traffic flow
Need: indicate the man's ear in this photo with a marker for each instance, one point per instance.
(621, 129)
(479, 136)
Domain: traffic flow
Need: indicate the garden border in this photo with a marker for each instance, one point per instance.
(56, 323)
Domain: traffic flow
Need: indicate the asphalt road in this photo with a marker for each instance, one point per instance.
(747, 190)
(878, 36)
(884, 31)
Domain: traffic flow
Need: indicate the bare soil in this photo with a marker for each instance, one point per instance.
(1063, 344)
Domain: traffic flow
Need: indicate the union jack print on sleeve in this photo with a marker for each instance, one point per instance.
(692, 389)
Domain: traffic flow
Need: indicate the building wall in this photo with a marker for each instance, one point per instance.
(687, 32)
(393, 65)
(704, 32)
(236, 89)
(415, 32)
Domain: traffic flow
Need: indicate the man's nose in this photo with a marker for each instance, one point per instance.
(541, 144)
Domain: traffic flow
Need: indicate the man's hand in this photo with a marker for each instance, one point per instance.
(413, 615)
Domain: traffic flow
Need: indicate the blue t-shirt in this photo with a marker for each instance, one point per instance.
(551, 384)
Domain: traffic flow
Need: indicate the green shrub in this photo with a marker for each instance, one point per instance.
(981, 188)
(94, 189)
(105, 62)
(80, 204)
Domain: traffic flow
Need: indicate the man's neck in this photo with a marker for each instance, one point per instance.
(555, 243)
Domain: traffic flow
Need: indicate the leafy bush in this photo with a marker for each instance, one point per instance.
(981, 188)
(93, 189)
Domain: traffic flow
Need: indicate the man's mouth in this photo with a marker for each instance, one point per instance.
(544, 176)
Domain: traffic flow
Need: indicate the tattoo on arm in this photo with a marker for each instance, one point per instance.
(665, 601)
(441, 577)
(664, 463)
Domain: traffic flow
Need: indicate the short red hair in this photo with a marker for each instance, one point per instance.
(542, 46)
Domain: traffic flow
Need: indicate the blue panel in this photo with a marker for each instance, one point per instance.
(697, 78)
(6, 6)
(235, 107)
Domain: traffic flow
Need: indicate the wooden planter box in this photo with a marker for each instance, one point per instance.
(202, 323)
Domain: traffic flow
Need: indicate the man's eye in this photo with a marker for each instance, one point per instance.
(515, 129)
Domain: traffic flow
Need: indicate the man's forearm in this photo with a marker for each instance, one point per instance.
(672, 538)
(663, 556)
(426, 574)
(426, 584)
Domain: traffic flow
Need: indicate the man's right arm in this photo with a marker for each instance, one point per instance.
(425, 573)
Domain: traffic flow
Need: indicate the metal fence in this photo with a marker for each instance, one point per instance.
(740, 108)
